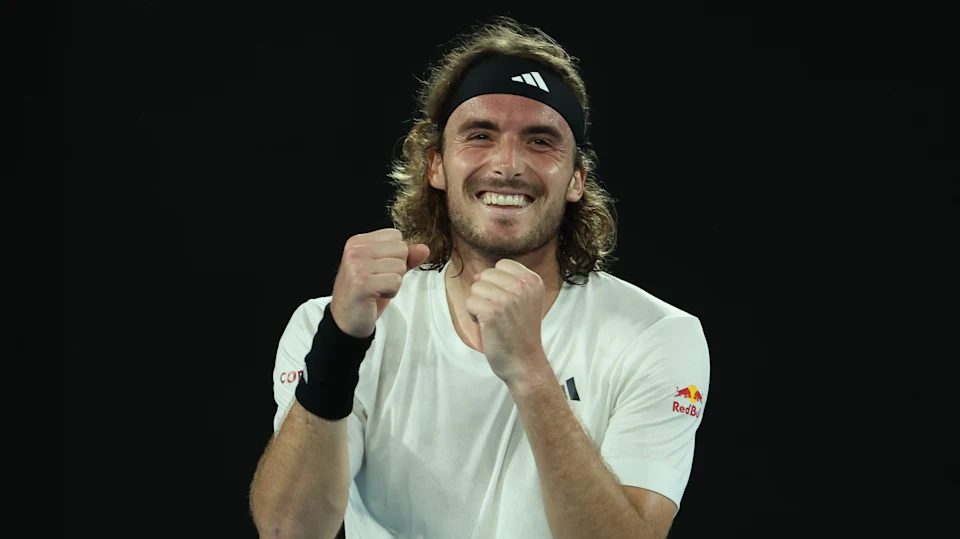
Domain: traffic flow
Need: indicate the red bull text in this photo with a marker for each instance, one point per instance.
(692, 395)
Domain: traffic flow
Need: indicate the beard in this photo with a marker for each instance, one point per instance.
(467, 224)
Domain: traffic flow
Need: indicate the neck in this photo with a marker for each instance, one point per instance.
(459, 279)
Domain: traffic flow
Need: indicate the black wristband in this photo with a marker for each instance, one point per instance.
(332, 370)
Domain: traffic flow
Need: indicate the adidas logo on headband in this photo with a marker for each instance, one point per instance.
(500, 73)
(533, 79)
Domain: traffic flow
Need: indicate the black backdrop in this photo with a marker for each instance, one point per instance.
(784, 175)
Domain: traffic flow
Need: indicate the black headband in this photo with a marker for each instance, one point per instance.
(519, 76)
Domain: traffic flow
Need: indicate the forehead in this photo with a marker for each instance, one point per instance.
(509, 112)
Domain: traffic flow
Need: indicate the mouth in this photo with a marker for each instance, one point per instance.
(504, 200)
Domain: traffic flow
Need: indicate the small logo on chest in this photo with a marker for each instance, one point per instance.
(570, 389)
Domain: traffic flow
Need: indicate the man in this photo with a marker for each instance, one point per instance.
(475, 373)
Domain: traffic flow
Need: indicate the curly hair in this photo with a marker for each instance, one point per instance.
(587, 234)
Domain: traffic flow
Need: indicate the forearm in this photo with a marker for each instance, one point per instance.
(302, 481)
(580, 495)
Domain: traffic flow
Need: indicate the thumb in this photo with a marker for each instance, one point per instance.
(416, 254)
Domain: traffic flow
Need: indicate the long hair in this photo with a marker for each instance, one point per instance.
(587, 234)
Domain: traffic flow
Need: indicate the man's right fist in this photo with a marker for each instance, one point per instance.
(371, 270)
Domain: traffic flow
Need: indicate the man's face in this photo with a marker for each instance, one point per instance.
(508, 171)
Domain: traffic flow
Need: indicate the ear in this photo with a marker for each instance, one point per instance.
(575, 187)
(435, 175)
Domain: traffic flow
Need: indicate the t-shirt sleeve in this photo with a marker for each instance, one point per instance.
(295, 342)
(658, 407)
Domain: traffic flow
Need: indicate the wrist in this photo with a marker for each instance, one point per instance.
(530, 380)
(331, 370)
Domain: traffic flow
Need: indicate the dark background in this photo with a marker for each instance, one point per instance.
(788, 175)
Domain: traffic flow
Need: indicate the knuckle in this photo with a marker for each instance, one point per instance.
(351, 241)
(352, 253)
(359, 277)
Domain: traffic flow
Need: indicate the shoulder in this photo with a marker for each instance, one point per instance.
(658, 345)
(640, 331)
(307, 315)
(618, 306)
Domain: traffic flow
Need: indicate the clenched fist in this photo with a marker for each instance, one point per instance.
(507, 302)
(371, 270)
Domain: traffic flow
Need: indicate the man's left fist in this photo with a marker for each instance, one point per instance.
(507, 302)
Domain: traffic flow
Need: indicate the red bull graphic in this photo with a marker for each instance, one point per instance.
(692, 395)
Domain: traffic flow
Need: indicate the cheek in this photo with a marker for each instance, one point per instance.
(551, 164)
(463, 163)
(553, 169)
(556, 174)
(466, 156)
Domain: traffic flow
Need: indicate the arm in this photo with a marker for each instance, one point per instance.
(302, 481)
(580, 495)
(649, 440)
(301, 484)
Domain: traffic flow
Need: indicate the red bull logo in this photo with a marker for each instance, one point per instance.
(692, 395)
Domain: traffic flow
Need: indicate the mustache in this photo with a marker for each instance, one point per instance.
(475, 185)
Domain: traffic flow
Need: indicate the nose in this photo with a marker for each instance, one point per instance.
(506, 160)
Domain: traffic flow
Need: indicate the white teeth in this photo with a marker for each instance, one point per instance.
(504, 200)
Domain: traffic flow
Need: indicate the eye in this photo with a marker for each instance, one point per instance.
(541, 142)
(479, 136)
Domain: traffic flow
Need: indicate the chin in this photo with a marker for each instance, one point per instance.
(495, 237)
(496, 244)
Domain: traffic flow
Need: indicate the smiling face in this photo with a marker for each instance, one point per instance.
(508, 172)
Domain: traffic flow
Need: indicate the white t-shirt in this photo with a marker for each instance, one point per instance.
(436, 447)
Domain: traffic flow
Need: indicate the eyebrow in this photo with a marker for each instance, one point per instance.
(537, 129)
